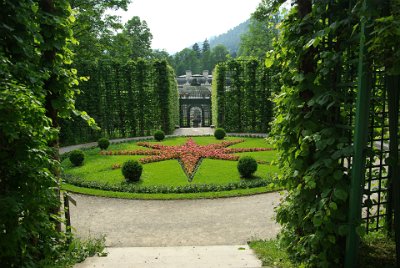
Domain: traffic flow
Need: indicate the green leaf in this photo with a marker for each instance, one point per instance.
(360, 230)
(338, 174)
(340, 194)
(332, 239)
(269, 62)
(298, 77)
(333, 205)
(317, 219)
(309, 43)
(35, 8)
(71, 19)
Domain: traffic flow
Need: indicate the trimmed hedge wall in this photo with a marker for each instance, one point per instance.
(127, 100)
(241, 96)
(162, 189)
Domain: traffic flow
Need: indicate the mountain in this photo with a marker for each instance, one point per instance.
(230, 39)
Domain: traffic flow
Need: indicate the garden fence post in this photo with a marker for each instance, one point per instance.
(394, 165)
(360, 142)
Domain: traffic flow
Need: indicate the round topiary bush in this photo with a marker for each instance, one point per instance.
(159, 135)
(219, 133)
(132, 170)
(247, 165)
(103, 143)
(76, 157)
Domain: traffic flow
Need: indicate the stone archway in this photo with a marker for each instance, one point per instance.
(187, 108)
(196, 116)
(194, 102)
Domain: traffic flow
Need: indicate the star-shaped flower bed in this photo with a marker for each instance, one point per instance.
(189, 154)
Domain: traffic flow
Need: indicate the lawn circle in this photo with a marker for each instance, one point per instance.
(213, 175)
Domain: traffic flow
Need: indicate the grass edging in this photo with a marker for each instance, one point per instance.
(170, 196)
(377, 249)
(270, 254)
(162, 189)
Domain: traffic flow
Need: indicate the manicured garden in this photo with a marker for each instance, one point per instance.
(184, 167)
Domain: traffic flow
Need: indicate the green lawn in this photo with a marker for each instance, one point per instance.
(269, 252)
(377, 250)
(98, 167)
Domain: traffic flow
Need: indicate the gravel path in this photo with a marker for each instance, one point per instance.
(201, 131)
(146, 223)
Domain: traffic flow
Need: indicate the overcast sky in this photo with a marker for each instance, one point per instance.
(176, 24)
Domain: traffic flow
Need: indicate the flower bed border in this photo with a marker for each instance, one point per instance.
(191, 188)
(189, 154)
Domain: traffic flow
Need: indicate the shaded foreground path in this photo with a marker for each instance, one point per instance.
(149, 223)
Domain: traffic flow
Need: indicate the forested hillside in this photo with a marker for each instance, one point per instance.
(231, 39)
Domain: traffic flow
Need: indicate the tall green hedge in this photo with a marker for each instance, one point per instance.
(37, 87)
(127, 100)
(241, 96)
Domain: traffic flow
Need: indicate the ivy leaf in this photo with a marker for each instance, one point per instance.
(340, 194)
(313, 42)
(337, 175)
(71, 18)
(317, 219)
(332, 239)
(360, 230)
(298, 77)
(269, 62)
(333, 205)
(34, 8)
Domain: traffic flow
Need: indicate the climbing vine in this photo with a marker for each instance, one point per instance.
(316, 55)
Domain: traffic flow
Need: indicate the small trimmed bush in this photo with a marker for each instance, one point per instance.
(132, 170)
(76, 157)
(103, 143)
(247, 165)
(159, 135)
(219, 133)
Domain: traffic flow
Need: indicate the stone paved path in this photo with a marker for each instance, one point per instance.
(178, 132)
(236, 256)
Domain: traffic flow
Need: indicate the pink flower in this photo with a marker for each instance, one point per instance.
(189, 153)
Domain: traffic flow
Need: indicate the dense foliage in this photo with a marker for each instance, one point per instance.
(36, 89)
(198, 59)
(133, 42)
(219, 133)
(241, 96)
(258, 39)
(232, 38)
(76, 157)
(246, 166)
(317, 57)
(103, 143)
(132, 99)
(95, 28)
(159, 135)
(132, 170)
